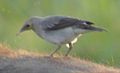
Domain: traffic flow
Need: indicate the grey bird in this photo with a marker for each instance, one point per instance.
(59, 30)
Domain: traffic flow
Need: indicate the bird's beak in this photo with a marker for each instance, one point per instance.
(21, 30)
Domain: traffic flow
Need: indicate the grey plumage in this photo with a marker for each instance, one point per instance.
(59, 29)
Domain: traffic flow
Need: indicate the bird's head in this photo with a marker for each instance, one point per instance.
(26, 26)
(29, 24)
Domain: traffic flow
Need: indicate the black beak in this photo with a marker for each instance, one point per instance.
(21, 30)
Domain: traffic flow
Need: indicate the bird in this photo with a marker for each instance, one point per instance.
(59, 30)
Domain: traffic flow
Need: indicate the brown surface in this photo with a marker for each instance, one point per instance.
(25, 62)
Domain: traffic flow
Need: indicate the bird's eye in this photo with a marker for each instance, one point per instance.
(27, 25)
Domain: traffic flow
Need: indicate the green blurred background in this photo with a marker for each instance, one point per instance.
(101, 47)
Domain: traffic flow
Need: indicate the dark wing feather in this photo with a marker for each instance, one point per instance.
(67, 22)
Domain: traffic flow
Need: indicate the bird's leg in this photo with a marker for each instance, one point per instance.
(70, 46)
(55, 51)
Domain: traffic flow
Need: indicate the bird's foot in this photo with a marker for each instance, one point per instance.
(51, 55)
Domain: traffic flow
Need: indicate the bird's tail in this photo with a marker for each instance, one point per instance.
(99, 29)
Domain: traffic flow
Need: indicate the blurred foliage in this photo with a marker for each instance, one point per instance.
(99, 47)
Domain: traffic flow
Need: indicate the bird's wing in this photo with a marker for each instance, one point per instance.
(60, 23)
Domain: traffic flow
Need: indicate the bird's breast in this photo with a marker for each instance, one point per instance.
(62, 36)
